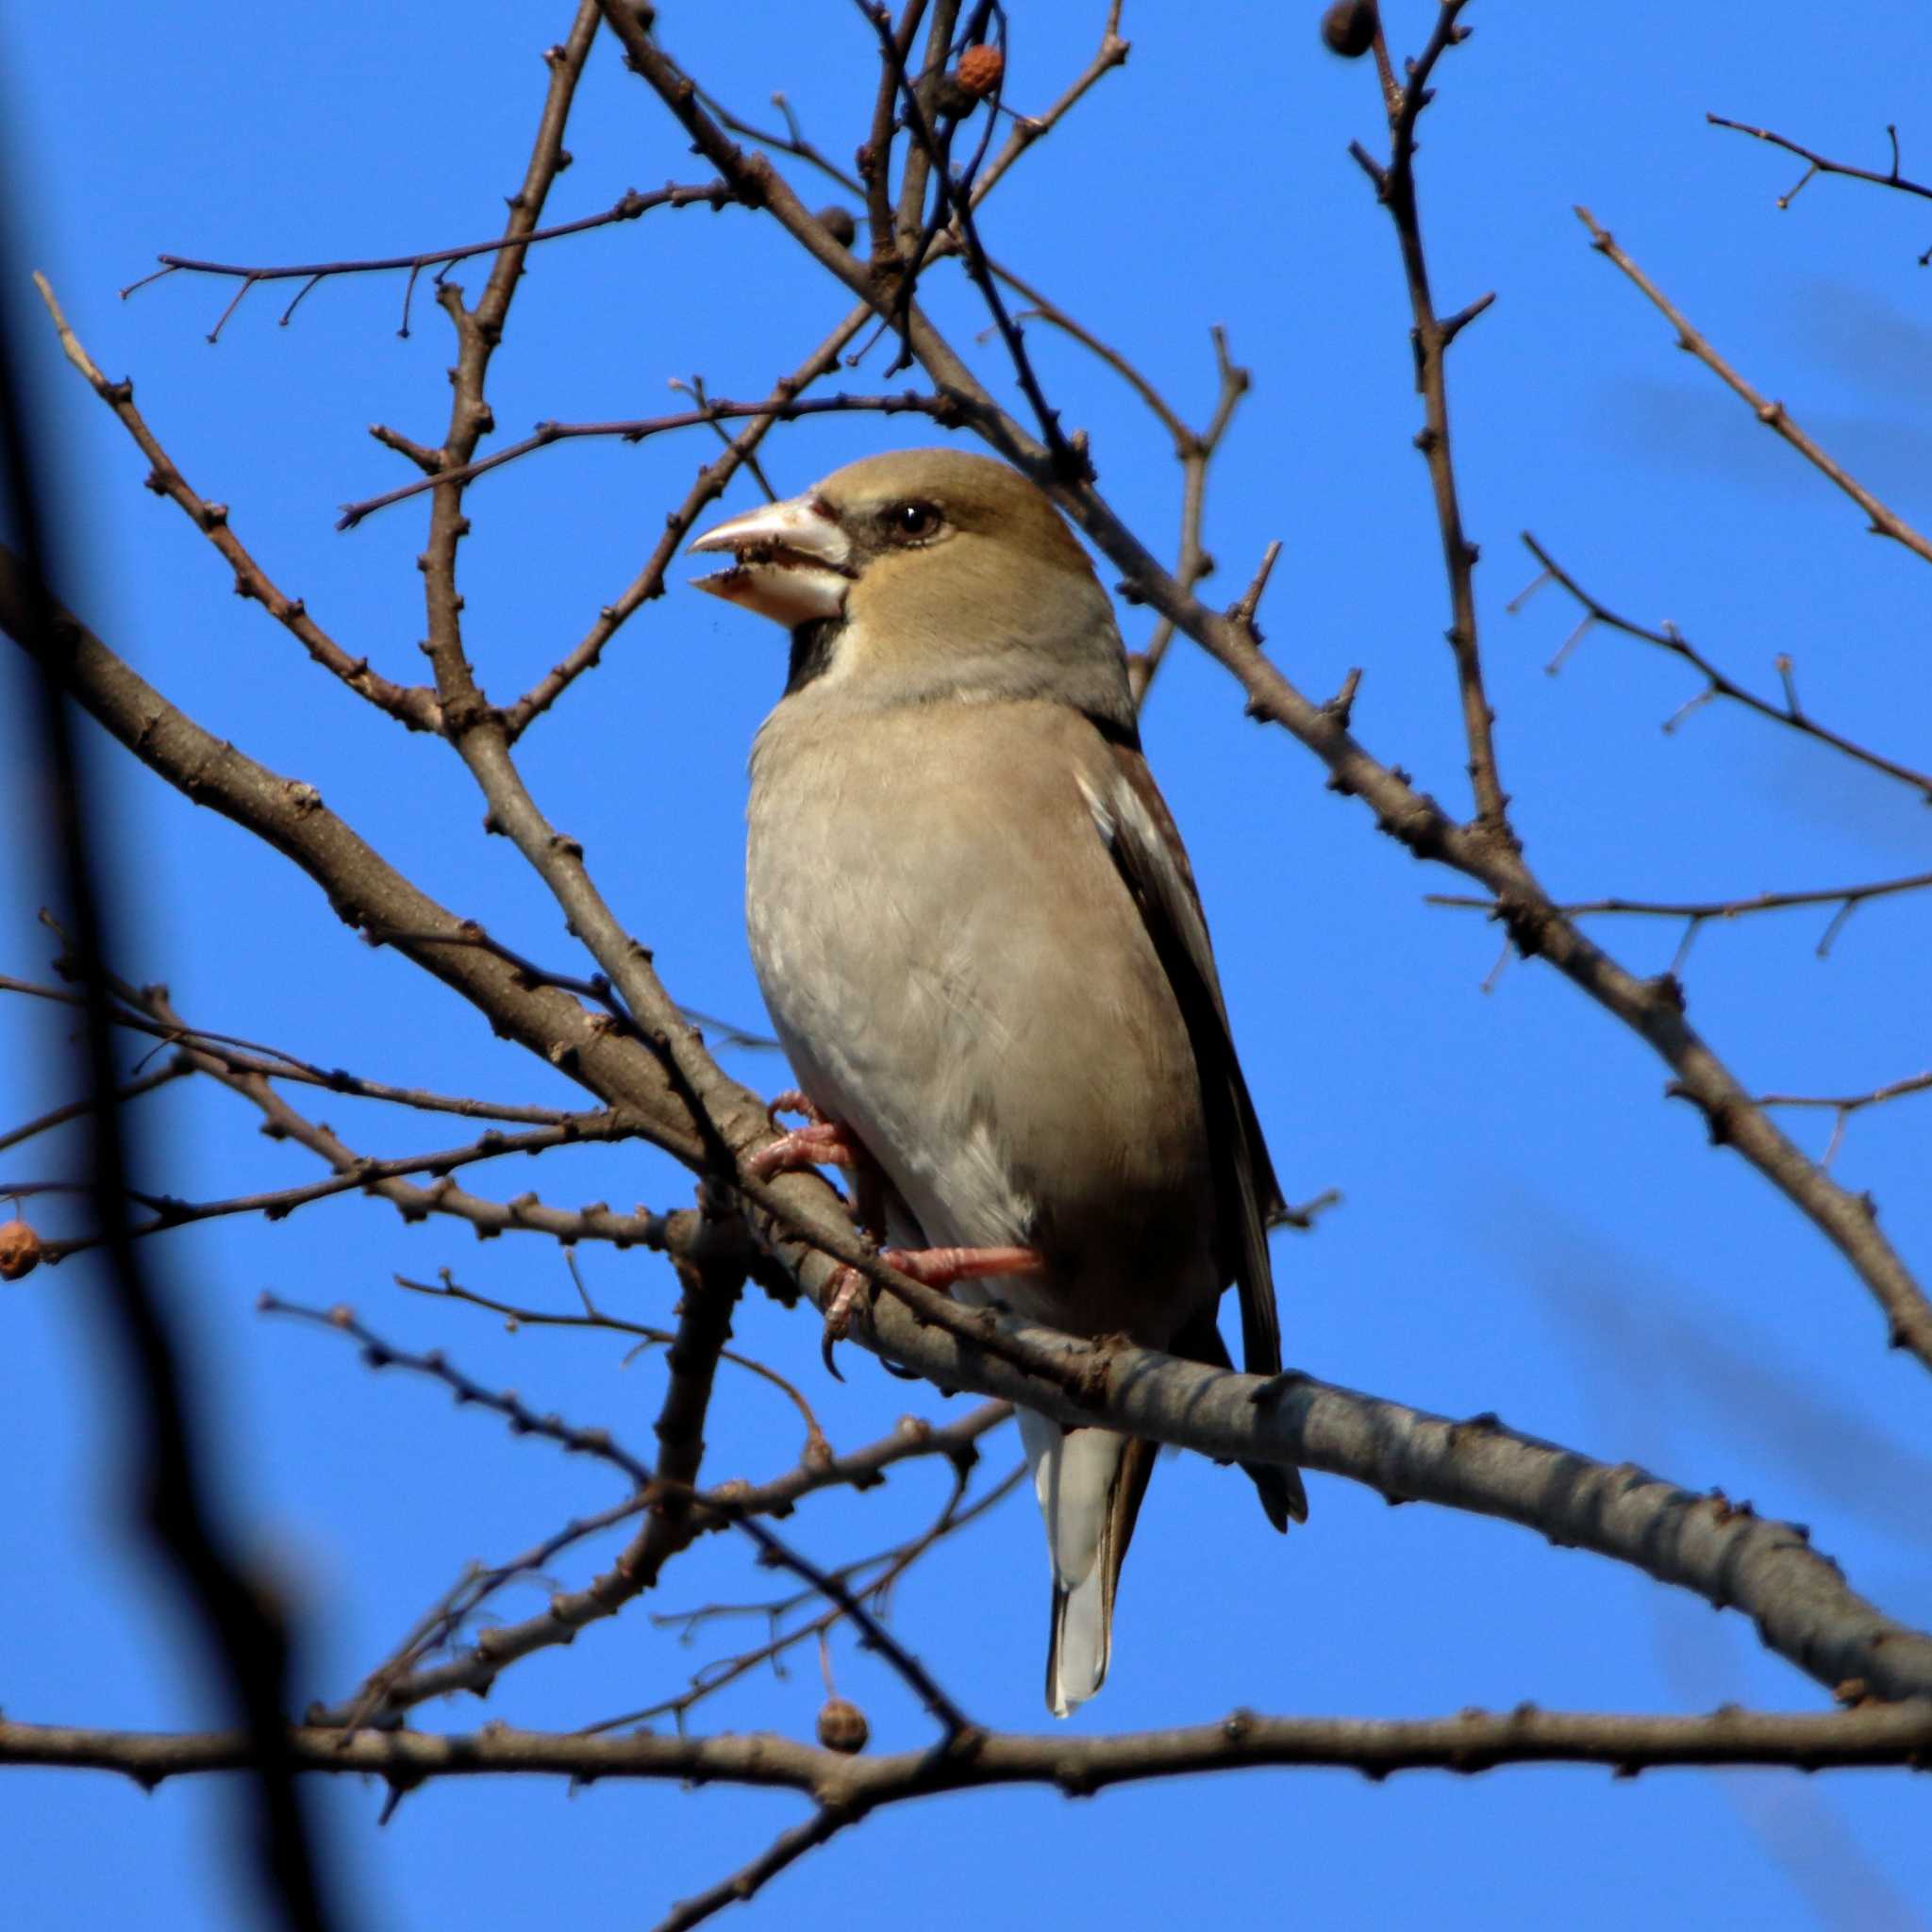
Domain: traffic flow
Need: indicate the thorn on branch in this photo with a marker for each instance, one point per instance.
(1451, 327)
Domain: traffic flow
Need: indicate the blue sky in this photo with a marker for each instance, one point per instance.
(1528, 1226)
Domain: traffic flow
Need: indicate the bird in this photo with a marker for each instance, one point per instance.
(980, 940)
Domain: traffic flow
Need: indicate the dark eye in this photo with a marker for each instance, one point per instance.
(910, 523)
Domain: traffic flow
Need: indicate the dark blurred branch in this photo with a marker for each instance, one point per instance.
(150, 1392)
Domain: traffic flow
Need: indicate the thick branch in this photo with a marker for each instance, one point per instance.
(1475, 1741)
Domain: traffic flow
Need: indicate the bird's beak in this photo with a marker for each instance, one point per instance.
(790, 561)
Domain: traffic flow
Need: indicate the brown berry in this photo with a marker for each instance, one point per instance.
(843, 1726)
(19, 1251)
(979, 71)
(837, 222)
(1349, 28)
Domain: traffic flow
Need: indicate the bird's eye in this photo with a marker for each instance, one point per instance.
(910, 523)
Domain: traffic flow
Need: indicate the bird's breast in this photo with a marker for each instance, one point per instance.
(957, 970)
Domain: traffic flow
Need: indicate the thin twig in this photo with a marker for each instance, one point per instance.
(628, 208)
(1818, 164)
(817, 1449)
(1717, 685)
(1884, 521)
(409, 705)
(1430, 336)
(639, 428)
(1844, 1106)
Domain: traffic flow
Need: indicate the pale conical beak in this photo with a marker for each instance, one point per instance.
(790, 561)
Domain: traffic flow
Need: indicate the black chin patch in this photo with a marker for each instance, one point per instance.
(813, 647)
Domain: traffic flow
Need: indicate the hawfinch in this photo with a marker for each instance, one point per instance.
(980, 940)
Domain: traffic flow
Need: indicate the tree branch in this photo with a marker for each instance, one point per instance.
(1884, 521)
(1475, 1741)
(1668, 638)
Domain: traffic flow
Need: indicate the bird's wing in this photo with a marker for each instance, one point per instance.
(1133, 819)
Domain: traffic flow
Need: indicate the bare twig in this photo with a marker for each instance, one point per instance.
(1845, 898)
(1845, 1104)
(1431, 336)
(78, 1109)
(1817, 163)
(710, 485)
(628, 208)
(1668, 638)
(409, 705)
(1884, 521)
(892, 1564)
(447, 1288)
(273, 1063)
(639, 428)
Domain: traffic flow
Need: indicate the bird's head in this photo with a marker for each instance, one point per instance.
(927, 573)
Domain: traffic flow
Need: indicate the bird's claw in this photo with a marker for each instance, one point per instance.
(794, 1100)
(821, 1143)
(838, 1307)
(934, 1267)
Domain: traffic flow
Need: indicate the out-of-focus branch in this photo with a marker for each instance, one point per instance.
(1716, 685)
(1884, 521)
(409, 705)
(171, 1503)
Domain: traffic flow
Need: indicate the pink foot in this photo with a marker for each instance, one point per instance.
(822, 1144)
(826, 1142)
(938, 1268)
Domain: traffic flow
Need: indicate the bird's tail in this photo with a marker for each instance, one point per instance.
(1090, 1482)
